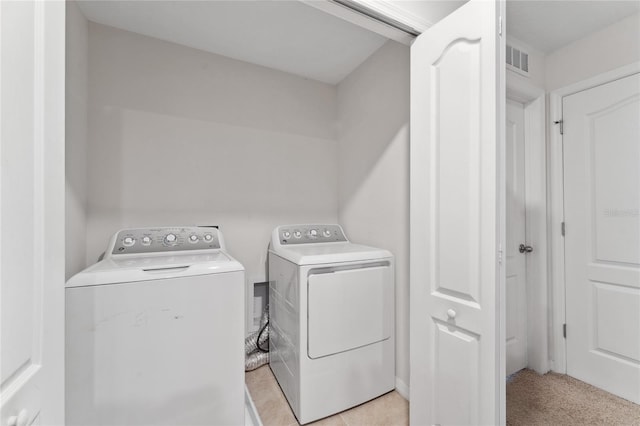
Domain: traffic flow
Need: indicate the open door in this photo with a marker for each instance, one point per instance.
(32, 61)
(457, 219)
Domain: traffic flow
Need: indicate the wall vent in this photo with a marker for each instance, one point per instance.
(517, 60)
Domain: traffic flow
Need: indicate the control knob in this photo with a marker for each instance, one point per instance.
(193, 238)
(297, 234)
(208, 237)
(326, 233)
(170, 239)
(128, 241)
(286, 235)
(146, 240)
(313, 233)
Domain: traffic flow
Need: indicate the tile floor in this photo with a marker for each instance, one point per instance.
(390, 409)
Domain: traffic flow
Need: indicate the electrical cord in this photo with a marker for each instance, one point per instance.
(264, 327)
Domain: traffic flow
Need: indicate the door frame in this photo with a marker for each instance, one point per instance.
(556, 211)
(533, 99)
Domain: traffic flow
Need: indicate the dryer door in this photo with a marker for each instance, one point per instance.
(349, 308)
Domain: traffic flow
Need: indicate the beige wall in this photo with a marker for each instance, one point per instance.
(77, 51)
(373, 169)
(610, 48)
(182, 136)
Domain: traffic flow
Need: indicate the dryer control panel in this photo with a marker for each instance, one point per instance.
(166, 239)
(310, 234)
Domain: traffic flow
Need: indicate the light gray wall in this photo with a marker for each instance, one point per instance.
(182, 136)
(373, 169)
(77, 53)
(610, 48)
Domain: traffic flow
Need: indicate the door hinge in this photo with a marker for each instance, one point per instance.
(562, 228)
(564, 330)
(561, 123)
(500, 25)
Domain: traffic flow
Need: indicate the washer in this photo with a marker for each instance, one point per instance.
(155, 332)
(331, 306)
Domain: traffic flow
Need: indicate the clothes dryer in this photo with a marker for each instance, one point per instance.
(331, 306)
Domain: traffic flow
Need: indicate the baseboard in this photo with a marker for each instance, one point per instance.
(402, 388)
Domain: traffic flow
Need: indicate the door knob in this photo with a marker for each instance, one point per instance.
(451, 313)
(525, 249)
(20, 420)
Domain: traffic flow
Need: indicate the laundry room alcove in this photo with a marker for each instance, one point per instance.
(244, 115)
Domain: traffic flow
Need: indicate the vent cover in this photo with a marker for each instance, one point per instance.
(518, 60)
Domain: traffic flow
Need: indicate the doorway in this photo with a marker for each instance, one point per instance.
(526, 286)
(541, 61)
(602, 321)
(601, 302)
(517, 248)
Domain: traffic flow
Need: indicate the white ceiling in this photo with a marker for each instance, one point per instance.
(294, 37)
(285, 35)
(549, 25)
(430, 11)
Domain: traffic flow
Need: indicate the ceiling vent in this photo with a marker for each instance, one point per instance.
(517, 60)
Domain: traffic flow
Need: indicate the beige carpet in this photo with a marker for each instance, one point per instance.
(556, 399)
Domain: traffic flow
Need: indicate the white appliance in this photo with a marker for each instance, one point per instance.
(155, 332)
(331, 307)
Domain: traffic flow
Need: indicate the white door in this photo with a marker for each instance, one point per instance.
(602, 243)
(516, 291)
(32, 213)
(457, 214)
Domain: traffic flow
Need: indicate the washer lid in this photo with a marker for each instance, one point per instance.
(315, 254)
(132, 268)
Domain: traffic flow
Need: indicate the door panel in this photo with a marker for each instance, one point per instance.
(18, 189)
(456, 360)
(31, 212)
(457, 107)
(602, 244)
(456, 144)
(617, 305)
(516, 292)
(20, 364)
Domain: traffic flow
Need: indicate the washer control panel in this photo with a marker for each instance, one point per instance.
(158, 240)
(310, 234)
